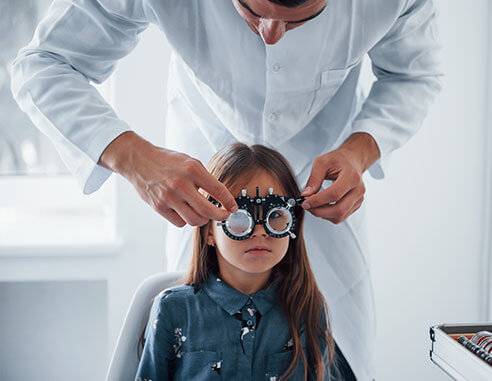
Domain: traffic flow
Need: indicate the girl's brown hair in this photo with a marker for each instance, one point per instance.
(298, 293)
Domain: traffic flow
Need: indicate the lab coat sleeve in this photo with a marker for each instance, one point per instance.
(157, 355)
(406, 63)
(77, 43)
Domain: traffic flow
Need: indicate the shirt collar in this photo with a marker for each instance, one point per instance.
(232, 300)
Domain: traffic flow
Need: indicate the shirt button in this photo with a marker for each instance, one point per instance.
(249, 322)
(276, 67)
(273, 116)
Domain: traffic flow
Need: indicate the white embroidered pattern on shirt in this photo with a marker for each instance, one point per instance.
(180, 339)
(216, 366)
(288, 345)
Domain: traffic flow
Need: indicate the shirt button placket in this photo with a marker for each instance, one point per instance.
(249, 317)
(275, 59)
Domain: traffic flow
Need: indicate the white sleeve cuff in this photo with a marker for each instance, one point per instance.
(92, 175)
(379, 168)
(386, 141)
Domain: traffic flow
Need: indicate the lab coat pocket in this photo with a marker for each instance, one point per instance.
(200, 365)
(329, 81)
(277, 364)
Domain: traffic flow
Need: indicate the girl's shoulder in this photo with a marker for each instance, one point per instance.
(176, 302)
(178, 295)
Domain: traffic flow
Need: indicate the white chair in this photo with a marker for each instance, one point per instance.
(124, 363)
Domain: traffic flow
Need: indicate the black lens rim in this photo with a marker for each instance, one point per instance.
(269, 212)
(251, 224)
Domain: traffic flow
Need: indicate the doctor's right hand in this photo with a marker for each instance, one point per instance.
(168, 180)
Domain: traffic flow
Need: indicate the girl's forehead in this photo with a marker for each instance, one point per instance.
(261, 179)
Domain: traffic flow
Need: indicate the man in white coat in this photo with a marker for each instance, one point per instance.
(283, 73)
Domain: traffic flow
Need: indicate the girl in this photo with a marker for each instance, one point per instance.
(249, 308)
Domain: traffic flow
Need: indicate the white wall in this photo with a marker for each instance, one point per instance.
(53, 330)
(426, 218)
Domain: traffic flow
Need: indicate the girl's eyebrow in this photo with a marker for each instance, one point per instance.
(244, 5)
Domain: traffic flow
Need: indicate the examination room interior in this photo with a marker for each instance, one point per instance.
(70, 263)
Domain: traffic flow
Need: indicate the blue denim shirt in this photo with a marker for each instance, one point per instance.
(215, 332)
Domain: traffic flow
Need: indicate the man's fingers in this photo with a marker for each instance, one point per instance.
(341, 210)
(187, 213)
(172, 217)
(316, 178)
(334, 193)
(203, 207)
(216, 189)
(178, 210)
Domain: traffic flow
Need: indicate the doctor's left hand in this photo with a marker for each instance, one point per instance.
(345, 165)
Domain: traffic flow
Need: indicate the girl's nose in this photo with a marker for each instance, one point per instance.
(259, 230)
(271, 31)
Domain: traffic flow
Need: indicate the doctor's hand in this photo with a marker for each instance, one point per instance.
(168, 180)
(345, 166)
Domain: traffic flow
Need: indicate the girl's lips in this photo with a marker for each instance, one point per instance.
(258, 250)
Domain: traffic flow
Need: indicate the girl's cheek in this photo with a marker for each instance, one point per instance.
(232, 246)
(285, 246)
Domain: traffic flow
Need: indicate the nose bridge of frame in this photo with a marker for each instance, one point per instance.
(259, 212)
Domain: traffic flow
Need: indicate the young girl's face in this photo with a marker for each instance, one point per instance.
(238, 253)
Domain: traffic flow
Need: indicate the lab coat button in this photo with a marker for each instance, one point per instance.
(276, 67)
(273, 116)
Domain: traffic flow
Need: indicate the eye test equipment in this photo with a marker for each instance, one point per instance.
(463, 351)
(275, 212)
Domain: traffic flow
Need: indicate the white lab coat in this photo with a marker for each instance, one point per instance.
(300, 96)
